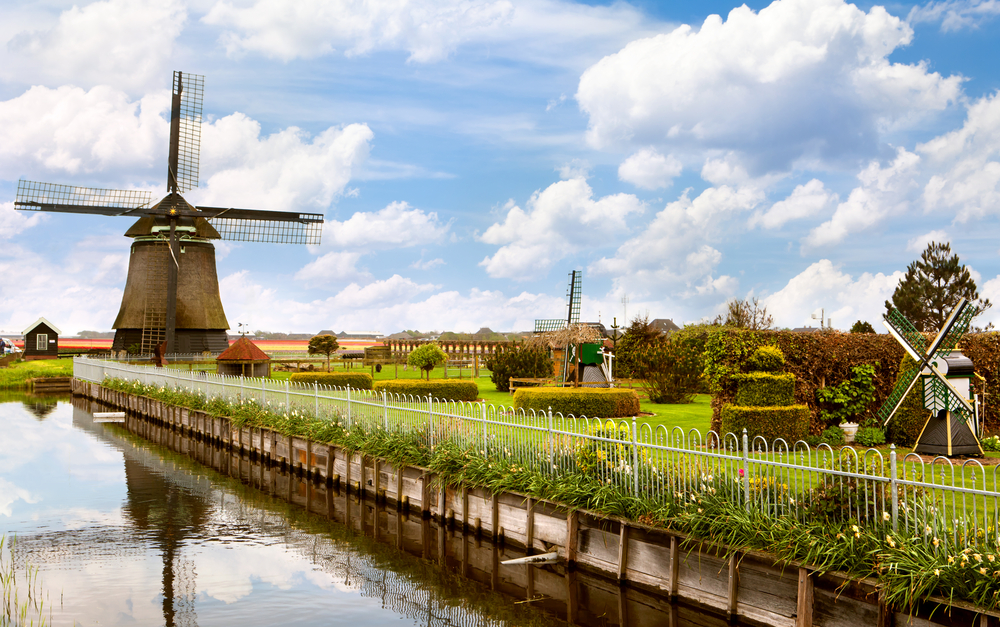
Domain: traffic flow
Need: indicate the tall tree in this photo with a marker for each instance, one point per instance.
(932, 286)
(746, 314)
(323, 344)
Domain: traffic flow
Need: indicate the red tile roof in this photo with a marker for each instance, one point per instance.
(243, 350)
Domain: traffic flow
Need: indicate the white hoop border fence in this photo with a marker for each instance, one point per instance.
(930, 500)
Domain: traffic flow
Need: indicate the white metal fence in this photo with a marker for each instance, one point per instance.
(944, 503)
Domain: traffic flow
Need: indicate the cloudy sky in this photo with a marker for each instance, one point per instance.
(468, 154)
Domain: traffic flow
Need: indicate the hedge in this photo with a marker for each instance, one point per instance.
(357, 380)
(593, 403)
(762, 389)
(445, 390)
(790, 423)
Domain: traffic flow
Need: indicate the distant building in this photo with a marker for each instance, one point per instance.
(41, 340)
(664, 325)
(402, 335)
(806, 330)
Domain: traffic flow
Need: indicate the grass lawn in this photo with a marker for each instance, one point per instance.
(15, 375)
(696, 415)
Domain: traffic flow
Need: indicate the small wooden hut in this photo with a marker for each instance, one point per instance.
(41, 340)
(243, 358)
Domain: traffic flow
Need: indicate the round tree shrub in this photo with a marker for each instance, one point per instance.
(766, 359)
(869, 436)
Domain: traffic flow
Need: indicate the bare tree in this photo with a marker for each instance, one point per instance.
(746, 314)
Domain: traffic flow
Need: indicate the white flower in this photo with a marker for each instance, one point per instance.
(886, 516)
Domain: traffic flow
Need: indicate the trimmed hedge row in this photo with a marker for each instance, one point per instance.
(593, 403)
(790, 422)
(762, 389)
(357, 380)
(445, 390)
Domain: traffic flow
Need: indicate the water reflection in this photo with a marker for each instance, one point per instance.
(149, 536)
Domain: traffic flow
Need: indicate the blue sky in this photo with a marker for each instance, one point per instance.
(469, 154)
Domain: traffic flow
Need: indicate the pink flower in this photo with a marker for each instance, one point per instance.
(741, 472)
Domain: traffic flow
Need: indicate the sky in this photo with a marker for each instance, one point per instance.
(468, 154)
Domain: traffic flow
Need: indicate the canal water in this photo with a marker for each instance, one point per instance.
(123, 531)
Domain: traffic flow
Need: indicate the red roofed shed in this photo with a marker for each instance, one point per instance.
(244, 358)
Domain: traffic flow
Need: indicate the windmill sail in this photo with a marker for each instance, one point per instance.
(185, 129)
(293, 228)
(35, 196)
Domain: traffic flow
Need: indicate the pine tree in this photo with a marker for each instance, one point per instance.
(932, 286)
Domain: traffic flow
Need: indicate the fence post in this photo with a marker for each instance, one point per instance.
(241, 387)
(385, 410)
(482, 415)
(635, 457)
(552, 457)
(348, 405)
(263, 392)
(430, 419)
(893, 486)
(316, 398)
(288, 402)
(746, 471)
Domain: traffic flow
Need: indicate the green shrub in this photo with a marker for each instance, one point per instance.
(834, 436)
(848, 398)
(766, 359)
(991, 443)
(445, 390)
(905, 425)
(358, 381)
(670, 369)
(592, 403)
(790, 422)
(763, 389)
(518, 361)
(869, 436)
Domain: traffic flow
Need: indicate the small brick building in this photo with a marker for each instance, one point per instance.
(41, 340)
(243, 358)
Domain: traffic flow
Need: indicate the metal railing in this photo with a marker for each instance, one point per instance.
(943, 503)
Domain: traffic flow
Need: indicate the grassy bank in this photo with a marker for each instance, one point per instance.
(15, 376)
(908, 569)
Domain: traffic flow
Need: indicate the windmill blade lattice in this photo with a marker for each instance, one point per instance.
(35, 196)
(191, 89)
(939, 393)
(301, 228)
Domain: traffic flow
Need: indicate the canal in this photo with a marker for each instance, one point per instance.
(124, 531)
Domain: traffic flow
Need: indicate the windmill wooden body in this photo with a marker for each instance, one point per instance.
(172, 291)
(953, 417)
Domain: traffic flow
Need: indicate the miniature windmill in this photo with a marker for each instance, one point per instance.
(172, 290)
(951, 427)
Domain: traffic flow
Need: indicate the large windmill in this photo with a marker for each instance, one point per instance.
(172, 290)
(951, 427)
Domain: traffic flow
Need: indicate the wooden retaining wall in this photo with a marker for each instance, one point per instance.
(650, 561)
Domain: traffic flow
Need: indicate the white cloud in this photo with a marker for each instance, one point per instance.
(541, 31)
(844, 298)
(967, 177)
(805, 201)
(648, 169)
(13, 222)
(397, 225)
(956, 15)
(883, 192)
(559, 220)
(387, 305)
(430, 264)
(287, 170)
(673, 251)
(381, 293)
(920, 242)
(333, 267)
(120, 42)
(69, 131)
(10, 494)
(801, 79)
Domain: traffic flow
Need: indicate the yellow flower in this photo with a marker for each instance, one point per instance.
(951, 559)
(936, 542)
(857, 535)
(885, 516)
(991, 558)
(978, 557)
(854, 528)
(839, 536)
(937, 572)
(982, 571)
